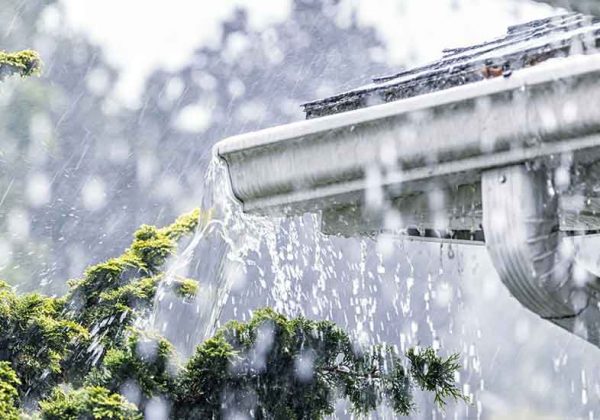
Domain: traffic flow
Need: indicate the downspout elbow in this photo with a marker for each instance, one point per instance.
(521, 225)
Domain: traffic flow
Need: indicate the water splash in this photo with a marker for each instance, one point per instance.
(378, 288)
(216, 256)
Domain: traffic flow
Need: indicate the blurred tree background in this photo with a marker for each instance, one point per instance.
(76, 168)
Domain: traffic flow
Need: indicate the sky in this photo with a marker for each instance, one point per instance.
(142, 35)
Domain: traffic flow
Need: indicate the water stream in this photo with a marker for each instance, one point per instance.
(373, 287)
(213, 256)
(381, 289)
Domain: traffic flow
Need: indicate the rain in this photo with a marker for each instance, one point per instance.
(395, 167)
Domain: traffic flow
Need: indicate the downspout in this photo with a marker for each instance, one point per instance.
(521, 225)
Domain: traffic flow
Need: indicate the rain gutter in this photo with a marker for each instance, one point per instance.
(490, 149)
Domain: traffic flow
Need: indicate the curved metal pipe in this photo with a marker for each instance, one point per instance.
(521, 225)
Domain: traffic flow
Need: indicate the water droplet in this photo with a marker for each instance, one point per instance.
(451, 253)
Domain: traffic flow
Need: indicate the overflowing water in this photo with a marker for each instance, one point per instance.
(213, 255)
(381, 289)
(373, 287)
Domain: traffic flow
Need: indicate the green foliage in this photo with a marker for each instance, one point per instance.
(297, 368)
(147, 361)
(23, 63)
(186, 288)
(186, 224)
(268, 367)
(87, 403)
(435, 374)
(9, 396)
(113, 294)
(377, 375)
(200, 387)
(46, 338)
(35, 338)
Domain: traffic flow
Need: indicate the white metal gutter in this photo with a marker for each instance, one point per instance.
(489, 147)
(314, 164)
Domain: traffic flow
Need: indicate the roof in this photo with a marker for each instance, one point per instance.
(524, 45)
